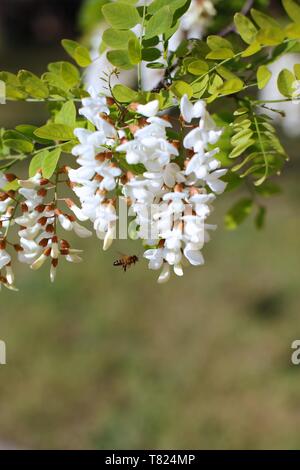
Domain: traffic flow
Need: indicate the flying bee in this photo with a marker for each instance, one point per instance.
(126, 261)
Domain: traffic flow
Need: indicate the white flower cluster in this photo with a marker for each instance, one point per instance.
(170, 200)
(37, 232)
(97, 174)
(6, 212)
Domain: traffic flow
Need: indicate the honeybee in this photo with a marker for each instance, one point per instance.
(126, 261)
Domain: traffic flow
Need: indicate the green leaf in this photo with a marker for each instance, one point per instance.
(215, 84)
(59, 132)
(151, 54)
(55, 81)
(270, 36)
(285, 82)
(216, 42)
(82, 56)
(260, 218)
(198, 67)
(263, 76)
(226, 74)
(134, 51)
(238, 213)
(121, 15)
(120, 58)
(155, 65)
(19, 145)
(50, 162)
(78, 52)
(239, 149)
(33, 85)
(156, 5)
(292, 9)
(67, 114)
(66, 71)
(242, 137)
(180, 88)
(220, 54)
(245, 28)
(159, 23)
(264, 21)
(199, 88)
(231, 86)
(292, 31)
(123, 94)
(117, 39)
(28, 131)
(252, 49)
(297, 71)
(36, 162)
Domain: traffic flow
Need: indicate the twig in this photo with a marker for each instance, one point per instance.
(231, 28)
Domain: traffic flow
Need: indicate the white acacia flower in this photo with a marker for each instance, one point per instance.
(191, 111)
(5, 258)
(198, 139)
(9, 274)
(30, 251)
(33, 182)
(165, 274)
(201, 164)
(38, 263)
(5, 204)
(215, 183)
(149, 109)
(68, 224)
(193, 254)
(155, 258)
(109, 172)
(93, 106)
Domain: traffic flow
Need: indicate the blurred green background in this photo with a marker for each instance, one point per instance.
(104, 359)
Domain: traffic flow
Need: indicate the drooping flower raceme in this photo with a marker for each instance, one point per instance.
(171, 195)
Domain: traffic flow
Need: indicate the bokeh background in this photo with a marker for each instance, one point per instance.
(104, 359)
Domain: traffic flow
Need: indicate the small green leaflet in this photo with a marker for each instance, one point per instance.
(36, 162)
(67, 114)
(134, 51)
(121, 15)
(19, 145)
(46, 161)
(292, 9)
(50, 163)
(159, 23)
(59, 132)
(216, 42)
(78, 52)
(181, 88)
(245, 28)
(263, 76)
(124, 94)
(286, 81)
(117, 39)
(33, 85)
(120, 58)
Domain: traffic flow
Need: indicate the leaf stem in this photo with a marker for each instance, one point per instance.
(141, 39)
